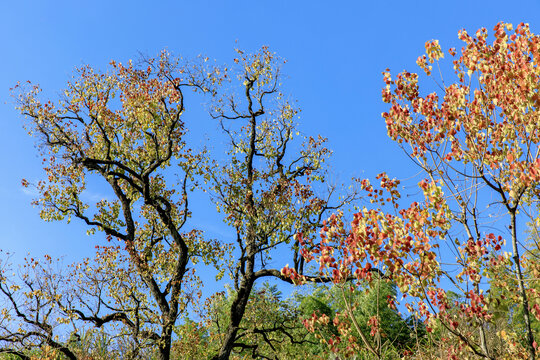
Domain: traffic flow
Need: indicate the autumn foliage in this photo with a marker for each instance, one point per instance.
(125, 128)
(445, 268)
(476, 141)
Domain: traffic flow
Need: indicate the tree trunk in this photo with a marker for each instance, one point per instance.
(521, 283)
(165, 347)
(238, 308)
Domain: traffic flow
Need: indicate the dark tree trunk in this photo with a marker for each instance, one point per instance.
(237, 311)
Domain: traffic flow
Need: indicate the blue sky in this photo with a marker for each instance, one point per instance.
(336, 52)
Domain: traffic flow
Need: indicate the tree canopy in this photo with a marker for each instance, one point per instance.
(445, 270)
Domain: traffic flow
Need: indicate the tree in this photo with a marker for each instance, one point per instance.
(477, 143)
(97, 308)
(267, 187)
(489, 125)
(29, 317)
(508, 311)
(125, 129)
(270, 327)
(329, 319)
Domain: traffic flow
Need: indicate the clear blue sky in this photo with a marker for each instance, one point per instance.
(336, 51)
